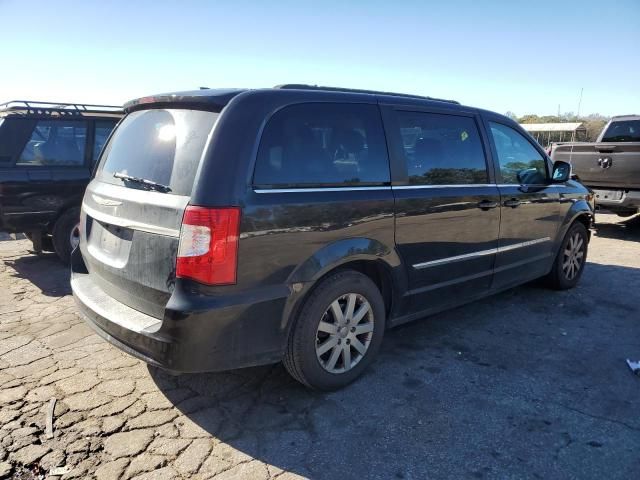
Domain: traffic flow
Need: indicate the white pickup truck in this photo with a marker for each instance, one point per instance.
(610, 166)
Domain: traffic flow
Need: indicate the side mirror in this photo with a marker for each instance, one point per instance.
(561, 171)
(529, 176)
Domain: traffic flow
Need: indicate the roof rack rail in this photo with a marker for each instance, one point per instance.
(301, 86)
(36, 107)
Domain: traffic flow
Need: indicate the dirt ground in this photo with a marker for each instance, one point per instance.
(531, 383)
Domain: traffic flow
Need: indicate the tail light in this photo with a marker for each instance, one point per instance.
(208, 248)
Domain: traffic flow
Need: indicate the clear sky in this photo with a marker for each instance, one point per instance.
(521, 56)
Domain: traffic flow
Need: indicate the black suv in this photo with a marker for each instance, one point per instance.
(47, 151)
(229, 228)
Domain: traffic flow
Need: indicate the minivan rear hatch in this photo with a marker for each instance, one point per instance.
(133, 208)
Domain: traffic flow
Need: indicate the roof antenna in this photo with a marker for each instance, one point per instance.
(573, 140)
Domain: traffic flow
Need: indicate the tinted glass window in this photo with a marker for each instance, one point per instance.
(103, 129)
(163, 146)
(623, 131)
(56, 143)
(323, 144)
(442, 149)
(14, 133)
(4, 152)
(520, 162)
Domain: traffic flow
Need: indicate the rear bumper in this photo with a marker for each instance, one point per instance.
(629, 199)
(196, 334)
(26, 221)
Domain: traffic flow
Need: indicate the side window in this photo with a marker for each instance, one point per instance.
(442, 149)
(323, 144)
(103, 130)
(56, 143)
(520, 162)
(14, 133)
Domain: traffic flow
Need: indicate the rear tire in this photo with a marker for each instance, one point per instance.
(64, 233)
(337, 332)
(570, 260)
(47, 244)
(40, 241)
(626, 213)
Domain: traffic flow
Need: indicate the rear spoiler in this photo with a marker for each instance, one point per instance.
(213, 100)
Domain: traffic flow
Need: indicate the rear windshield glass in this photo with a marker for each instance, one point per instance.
(623, 131)
(162, 146)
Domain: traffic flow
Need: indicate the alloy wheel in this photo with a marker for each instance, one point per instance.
(74, 236)
(344, 333)
(573, 256)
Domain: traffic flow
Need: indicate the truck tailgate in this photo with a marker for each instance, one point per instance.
(612, 165)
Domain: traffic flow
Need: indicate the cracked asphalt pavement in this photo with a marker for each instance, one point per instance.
(530, 383)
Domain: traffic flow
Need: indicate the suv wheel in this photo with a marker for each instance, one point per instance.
(66, 234)
(569, 264)
(337, 333)
(46, 242)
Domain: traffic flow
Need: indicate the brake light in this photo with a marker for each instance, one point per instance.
(208, 248)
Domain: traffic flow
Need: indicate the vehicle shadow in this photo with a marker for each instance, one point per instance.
(627, 229)
(45, 271)
(466, 393)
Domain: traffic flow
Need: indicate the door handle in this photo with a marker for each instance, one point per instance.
(487, 205)
(606, 148)
(513, 203)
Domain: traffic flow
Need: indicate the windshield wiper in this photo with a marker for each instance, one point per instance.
(151, 185)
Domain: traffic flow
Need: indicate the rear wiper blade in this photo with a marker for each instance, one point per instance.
(143, 181)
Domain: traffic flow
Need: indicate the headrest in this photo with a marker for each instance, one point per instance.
(428, 147)
(351, 140)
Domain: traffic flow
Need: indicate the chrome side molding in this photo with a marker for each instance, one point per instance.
(479, 253)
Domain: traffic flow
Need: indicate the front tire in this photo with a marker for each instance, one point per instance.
(66, 233)
(571, 259)
(337, 332)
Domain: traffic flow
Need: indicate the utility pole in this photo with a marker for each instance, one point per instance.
(574, 133)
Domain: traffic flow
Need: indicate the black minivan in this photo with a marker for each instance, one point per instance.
(230, 228)
(47, 152)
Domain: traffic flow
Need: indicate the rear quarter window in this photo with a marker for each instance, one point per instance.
(323, 144)
(163, 146)
(14, 133)
(56, 143)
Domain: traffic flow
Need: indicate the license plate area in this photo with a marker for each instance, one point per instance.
(110, 244)
(112, 236)
(609, 195)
